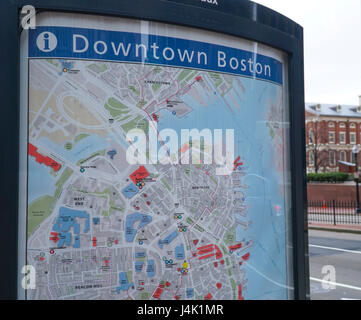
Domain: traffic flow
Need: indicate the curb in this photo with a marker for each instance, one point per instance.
(335, 230)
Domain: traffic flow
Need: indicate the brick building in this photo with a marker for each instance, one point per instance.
(331, 133)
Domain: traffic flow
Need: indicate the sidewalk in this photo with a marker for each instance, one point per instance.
(348, 228)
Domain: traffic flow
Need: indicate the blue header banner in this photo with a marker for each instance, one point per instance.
(92, 44)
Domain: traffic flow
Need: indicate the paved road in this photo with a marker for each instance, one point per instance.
(343, 253)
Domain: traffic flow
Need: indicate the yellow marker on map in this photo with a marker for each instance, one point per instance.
(185, 265)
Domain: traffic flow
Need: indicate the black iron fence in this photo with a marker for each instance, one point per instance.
(333, 212)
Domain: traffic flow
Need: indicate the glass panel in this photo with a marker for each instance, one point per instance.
(156, 161)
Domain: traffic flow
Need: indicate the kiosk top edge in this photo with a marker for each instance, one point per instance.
(244, 9)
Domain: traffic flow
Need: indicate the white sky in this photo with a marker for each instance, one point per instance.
(332, 31)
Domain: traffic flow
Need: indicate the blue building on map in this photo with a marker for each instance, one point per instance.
(130, 232)
(67, 219)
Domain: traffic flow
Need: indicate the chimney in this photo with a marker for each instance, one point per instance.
(359, 101)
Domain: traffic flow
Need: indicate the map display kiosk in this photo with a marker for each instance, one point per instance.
(154, 151)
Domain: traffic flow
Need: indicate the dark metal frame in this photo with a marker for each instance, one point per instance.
(240, 18)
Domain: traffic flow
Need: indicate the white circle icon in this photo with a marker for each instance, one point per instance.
(46, 41)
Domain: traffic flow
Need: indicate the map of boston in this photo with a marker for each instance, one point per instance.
(100, 228)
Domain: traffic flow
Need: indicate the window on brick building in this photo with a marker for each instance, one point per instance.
(342, 137)
(352, 137)
(311, 137)
(353, 126)
(342, 125)
(331, 124)
(343, 156)
(332, 158)
(331, 137)
(311, 159)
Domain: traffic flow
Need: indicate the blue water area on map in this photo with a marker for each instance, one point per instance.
(138, 266)
(189, 293)
(40, 172)
(96, 221)
(168, 239)
(150, 268)
(119, 139)
(123, 281)
(82, 150)
(66, 220)
(179, 252)
(130, 231)
(254, 144)
(130, 191)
